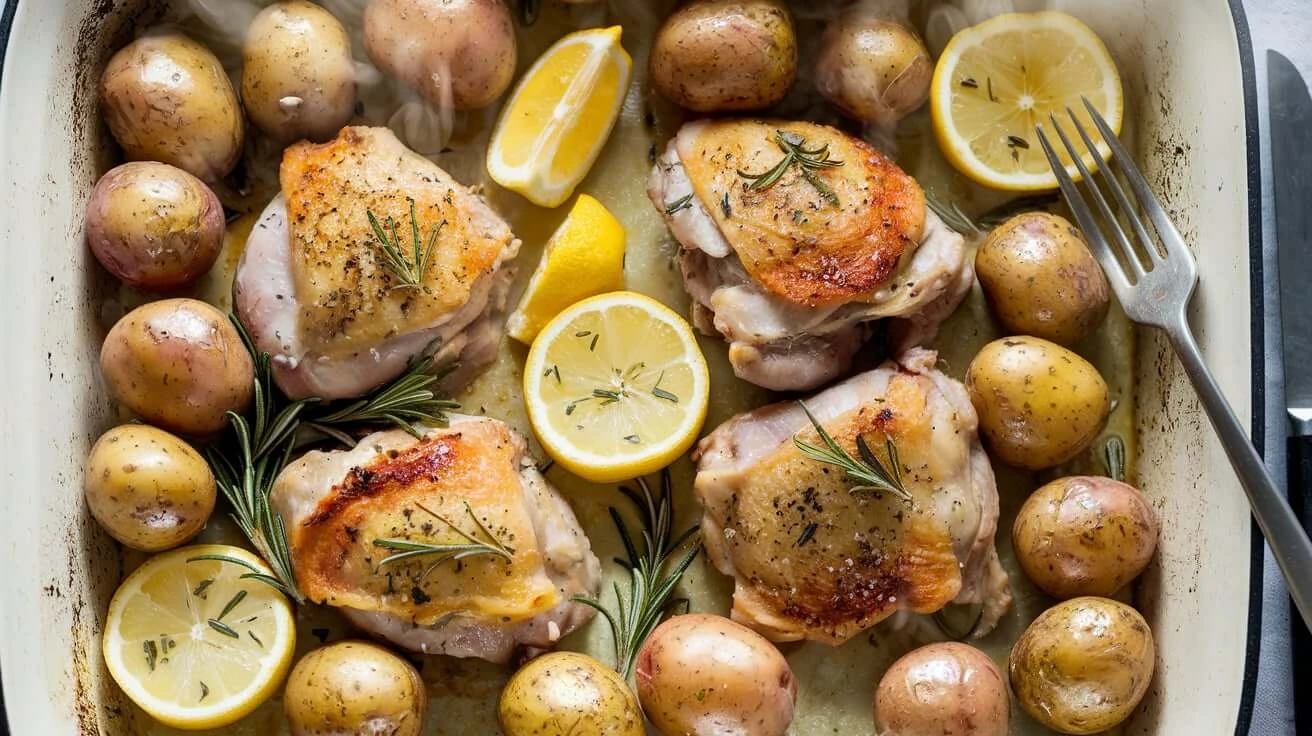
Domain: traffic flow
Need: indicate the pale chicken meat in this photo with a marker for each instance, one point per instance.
(792, 269)
(316, 291)
(347, 512)
(816, 556)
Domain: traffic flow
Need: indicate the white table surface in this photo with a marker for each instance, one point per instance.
(1286, 26)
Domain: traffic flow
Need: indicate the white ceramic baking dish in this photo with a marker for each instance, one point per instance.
(1188, 78)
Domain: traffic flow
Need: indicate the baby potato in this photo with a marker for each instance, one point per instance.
(1083, 666)
(178, 364)
(166, 98)
(1041, 280)
(150, 490)
(1084, 535)
(874, 69)
(704, 675)
(297, 75)
(568, 694)
(1039, 404)
(355, 688)
(943, 689)
(725, 55)
(154, 225)
(456, 53)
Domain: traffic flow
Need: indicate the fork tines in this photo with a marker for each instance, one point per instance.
(1137, 255)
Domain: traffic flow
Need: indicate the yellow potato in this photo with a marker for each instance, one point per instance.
(568, 694)
(355, 688)
(166, 98)
(1084, 536)
(725, 55)
(697, 669)
(1083, 666)
(178, 364)
(150, 490)
(943, 689)
(1039, 404)
(1041, 280)
(874, 69)
(297, 75)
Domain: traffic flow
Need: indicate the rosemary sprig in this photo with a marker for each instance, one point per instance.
(651, 578)
(868, 471)
(808, 161)
(407, 400)
(408, 549)
(951, 214)
(409, 268)
(682, 203)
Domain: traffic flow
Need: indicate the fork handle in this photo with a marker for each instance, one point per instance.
(1289, 543)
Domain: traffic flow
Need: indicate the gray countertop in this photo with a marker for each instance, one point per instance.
(1285, 26)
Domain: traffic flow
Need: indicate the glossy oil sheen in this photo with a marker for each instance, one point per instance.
(1185, 118)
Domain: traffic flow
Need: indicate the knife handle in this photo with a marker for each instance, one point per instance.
(1299, 461)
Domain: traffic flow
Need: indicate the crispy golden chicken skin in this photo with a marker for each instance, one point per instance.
(803, 245)
(466, 481)
(814, 559)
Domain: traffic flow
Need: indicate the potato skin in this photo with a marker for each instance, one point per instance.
(154, 225)
(1083, 665)
(166, 98)
(178, 364)
(568, 694)
(1039, 404)
(456, 53)
(149, 489)
(1084, 535)
(1041, 279)
(874, 69)
(354, 687)
(704, 675)
(943, 689)
(725, 55)
(297, 75)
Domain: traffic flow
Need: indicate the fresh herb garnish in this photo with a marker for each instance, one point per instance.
(152, 653)
(1015, 141)
(204, 691)
(411, 267)
(233, 603)
(808, 161)
(970, 82)
(992, 98)
(650, 584)
(223, 628)
(869, 472)
(682, 203)
(407, 549)
(806, 534)
(1114, 456)
(201, 586)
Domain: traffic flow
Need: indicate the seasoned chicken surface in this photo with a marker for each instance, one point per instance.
(465, 481)
(814, 559)
(316, 292)
(791, 271)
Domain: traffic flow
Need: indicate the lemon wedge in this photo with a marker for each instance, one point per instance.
(997, 80)
(195, 645)
(583, 258)
(616, 387)
(559, 117)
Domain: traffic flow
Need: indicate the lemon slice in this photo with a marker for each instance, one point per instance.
(997, 80)
(560, 116)
(195, 645)
(583, 258)
(616, 387)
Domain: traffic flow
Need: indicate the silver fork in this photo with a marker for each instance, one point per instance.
(1154, 286)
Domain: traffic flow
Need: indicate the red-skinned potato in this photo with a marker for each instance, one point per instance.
(1084, 535)
(943, 689)
(178, 364)
(704, 675)
(154, 225)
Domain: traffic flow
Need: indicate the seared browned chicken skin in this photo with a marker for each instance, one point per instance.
(471, 480)
(814, 559)
(789, 268)
(314, 287)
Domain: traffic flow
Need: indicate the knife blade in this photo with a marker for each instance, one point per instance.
(1290, 116)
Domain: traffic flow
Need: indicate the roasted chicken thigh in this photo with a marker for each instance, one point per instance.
(317, 292)
(794, 237)
(347, 511)
(815, 558)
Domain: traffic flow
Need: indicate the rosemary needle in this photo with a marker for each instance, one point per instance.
(807, 160)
